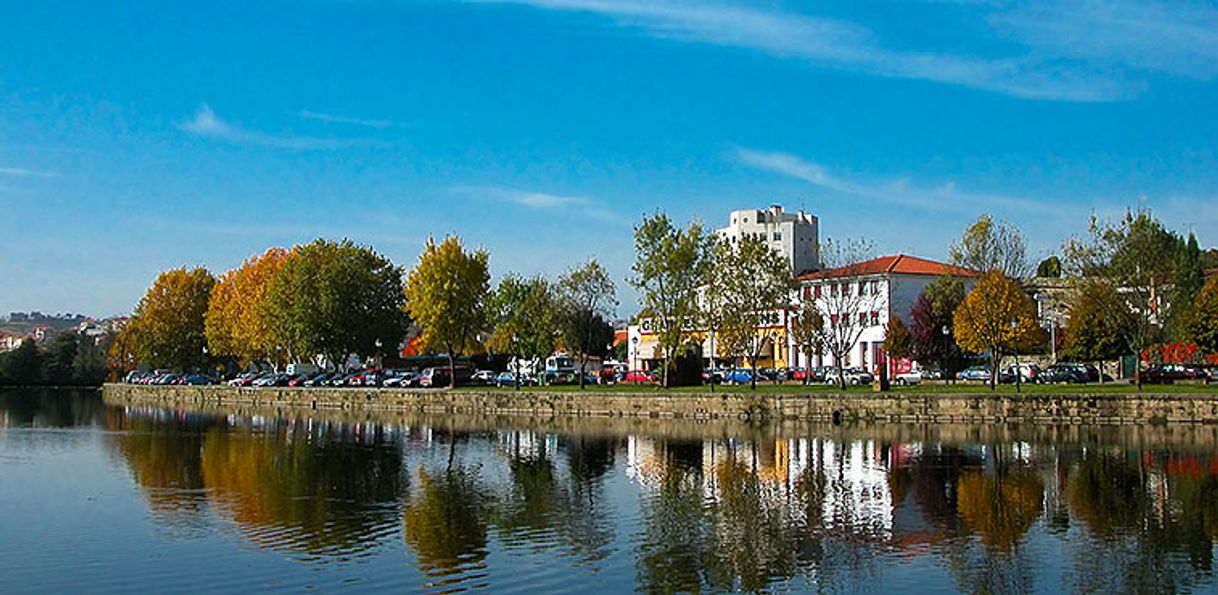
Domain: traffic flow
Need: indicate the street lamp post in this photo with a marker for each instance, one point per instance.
(1015, 350)
(634, 359)
(947, 375)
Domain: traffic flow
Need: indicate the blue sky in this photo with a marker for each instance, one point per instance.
(138, 138)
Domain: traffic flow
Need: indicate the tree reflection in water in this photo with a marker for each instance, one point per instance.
(298, 487)
(750, 512)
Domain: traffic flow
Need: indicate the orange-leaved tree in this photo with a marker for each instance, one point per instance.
(997, 317)
(237, 324)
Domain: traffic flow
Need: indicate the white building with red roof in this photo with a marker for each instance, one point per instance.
(872, 291)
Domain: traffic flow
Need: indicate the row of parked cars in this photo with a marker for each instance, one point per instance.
(1074, 373)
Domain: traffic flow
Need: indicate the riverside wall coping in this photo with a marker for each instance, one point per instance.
(1082, 408)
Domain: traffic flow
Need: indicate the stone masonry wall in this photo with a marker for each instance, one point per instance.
(832, 407)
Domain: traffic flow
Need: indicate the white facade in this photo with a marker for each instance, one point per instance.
(793, 235)
(872, 300)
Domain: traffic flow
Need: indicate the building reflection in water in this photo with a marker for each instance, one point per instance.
(715, 513)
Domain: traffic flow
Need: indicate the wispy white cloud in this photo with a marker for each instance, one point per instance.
(578, 205)
(206, 123)
(944, 197)
(1179, 38)
(340, 119)
(1058, 52)
(21, 172)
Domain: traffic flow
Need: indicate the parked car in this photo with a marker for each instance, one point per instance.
(1027, 373)
(397, 378)
(908, 378)
(1169, 373)
(1063, 373)
(638, 377)
(198, 380)
(712, 376)
(482, 377)
(739, 376)
(975, 373)
(858, 376)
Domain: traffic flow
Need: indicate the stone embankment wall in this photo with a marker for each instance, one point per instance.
(831, 407)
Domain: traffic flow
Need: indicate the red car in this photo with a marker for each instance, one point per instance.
(797, 374)
(638, 377)
(1168, 373)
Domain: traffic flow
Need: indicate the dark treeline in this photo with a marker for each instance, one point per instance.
(66, 360)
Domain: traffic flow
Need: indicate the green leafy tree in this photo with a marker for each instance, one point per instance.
(807, 331)
(22, 366)
(1099, 321)
(1135, 257)
(1050, 267)
(57, 361)
(997, 317)
(752, 284)
(587, 296)
(336, 299)
(167, 326)
(1205, 321)
(524, 317)
(670, 265)
(1187, 281)
(988, 245)
(446, 294)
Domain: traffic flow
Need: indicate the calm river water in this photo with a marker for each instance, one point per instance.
(103, 498)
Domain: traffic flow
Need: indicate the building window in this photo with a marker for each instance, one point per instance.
(816, 290)
(862, 318)
(875, 318)
(808, 292)
(777, 235)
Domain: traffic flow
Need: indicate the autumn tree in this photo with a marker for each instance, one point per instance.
(898, 343)
(930, 324)
(523, 316)
(807, 327)
(669, 268)
(988, 245)
(753, 285)
(1098, 323)
(238, 323)
(1135, 258)
(446, 295)
(587, 296)
(848, 294)
(167, 325)
(121, 356)
(1204, 327)
(336, 299)
(997, 317)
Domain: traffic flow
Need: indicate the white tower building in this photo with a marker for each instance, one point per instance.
(793, 235)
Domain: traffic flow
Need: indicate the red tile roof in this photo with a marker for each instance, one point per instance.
(899, 264)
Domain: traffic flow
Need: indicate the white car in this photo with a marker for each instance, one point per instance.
(909, 378)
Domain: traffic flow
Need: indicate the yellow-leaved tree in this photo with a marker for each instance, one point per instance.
(167, 326)
(446, 295)
(237, 324)
(997, 317)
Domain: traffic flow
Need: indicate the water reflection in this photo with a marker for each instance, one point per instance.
(472, 503)
(308, 488)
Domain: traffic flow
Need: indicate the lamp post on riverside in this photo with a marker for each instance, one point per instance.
(1015, 350)
(947, 373)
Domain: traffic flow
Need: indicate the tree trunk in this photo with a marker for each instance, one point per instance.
(583, 363)
(452, 371)
(995, 360)
(753, 378)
